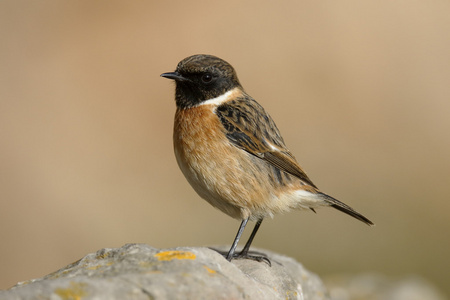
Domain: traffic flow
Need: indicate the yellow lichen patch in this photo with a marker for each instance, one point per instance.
(103, 255)
(210, 271)
(76, 291)
(95, 267)
(291, 294)
(169, 255)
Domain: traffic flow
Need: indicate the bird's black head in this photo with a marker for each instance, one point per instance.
(201, 77)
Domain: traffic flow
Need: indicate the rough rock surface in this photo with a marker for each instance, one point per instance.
(376, 286)
(138, 271)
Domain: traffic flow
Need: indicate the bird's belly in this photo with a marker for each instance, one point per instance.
(227, 177)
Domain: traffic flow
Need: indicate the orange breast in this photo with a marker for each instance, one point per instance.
(225, 176)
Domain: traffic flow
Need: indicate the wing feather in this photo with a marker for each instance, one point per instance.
(251, 129)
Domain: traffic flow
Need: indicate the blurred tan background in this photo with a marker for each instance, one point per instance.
(359, 89)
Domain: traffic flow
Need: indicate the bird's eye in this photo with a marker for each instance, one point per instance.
(207, 78)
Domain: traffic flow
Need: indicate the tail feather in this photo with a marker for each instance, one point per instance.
(345, 209)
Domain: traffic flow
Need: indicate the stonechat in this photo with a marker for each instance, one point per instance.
(232, 153)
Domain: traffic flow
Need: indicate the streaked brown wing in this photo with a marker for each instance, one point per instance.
(251, 129)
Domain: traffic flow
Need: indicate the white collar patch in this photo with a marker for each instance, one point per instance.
(219, 100)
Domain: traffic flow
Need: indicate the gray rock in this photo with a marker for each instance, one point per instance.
(375, 286)
(138, 271)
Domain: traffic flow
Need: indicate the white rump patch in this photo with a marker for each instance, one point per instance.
(296, 199)
(307, 199)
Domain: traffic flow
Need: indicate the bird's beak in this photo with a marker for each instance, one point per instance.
(175, 76)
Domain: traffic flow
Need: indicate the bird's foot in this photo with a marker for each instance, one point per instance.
(252, 255)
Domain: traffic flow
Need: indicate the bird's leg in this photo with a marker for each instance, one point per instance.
(236, 240)
(244, 254)
(245, 251)
(250, 239)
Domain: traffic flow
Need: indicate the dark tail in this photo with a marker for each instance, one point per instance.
(345, 209)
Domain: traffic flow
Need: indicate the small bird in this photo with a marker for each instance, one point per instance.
(232, 153)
